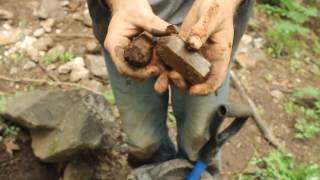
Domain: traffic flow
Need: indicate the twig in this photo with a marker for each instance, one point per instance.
(45, 70)
(45, 81)
(262, 125)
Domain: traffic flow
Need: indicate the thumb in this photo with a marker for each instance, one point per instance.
(154, 25)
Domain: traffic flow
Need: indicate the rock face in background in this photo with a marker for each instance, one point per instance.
(79, 120)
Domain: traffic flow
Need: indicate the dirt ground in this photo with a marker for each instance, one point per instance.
(237, 153)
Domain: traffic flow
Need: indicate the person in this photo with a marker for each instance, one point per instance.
(214, 27)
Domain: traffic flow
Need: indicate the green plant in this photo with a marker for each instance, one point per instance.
(108, 94)
(8, 129)
(58, 56)
(306, 104)
(287, 27)
(278, 165)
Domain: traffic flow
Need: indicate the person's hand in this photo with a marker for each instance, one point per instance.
(130, 18)
(208, 28)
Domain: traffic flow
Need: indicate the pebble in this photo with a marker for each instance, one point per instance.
(38, 32)
(259, 43)
(79, 74)
(14, 70)
(47, 24)
(29, 65)
(246, 39)
(92, 46)
(277, 94)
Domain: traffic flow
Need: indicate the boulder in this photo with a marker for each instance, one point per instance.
(96, 66)
(63, 123)
(87, 124)
(37, 109)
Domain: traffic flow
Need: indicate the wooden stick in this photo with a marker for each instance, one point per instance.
(45, 81)
(262, 125)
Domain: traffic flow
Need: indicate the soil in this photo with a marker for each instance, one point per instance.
(23, 165)
(236, 154)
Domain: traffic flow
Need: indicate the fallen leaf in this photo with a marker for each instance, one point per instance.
(10, 145)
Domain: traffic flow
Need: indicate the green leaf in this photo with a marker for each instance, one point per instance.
(109, 96)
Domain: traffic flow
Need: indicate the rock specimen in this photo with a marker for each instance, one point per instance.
(139, 52)
(190, 64)
(173, 52)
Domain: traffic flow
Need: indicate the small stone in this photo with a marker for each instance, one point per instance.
(277, 94)
(43, 43)
(86, 18)
(259, 43)
(33, 53)
(29, 65)
(38, 32)
(50, 9)
(77, 16)
(48, 24)
(249, 59)
(246, 39)
(8, 37)
(14, 70)
(5, 15)
(58, 48)
(51, 67)
(92, 47)
(96, 66)
(76, 63)
(79, 74)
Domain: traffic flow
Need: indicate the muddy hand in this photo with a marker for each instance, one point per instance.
(127, 21)
(211, 33)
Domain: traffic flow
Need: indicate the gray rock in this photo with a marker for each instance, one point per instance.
(79, 74)
(14, 70)
(259, 43)
(86, 124)
(277, 94)
(36, 109)
(86, 18)
(28, 65)
(50, 9)
(79, 169)
(63, 123)
(77, 69)
(96, 66)
(93, 84)
(249, 59)
(246, 39)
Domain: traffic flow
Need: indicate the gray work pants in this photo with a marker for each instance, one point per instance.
(144, 112)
